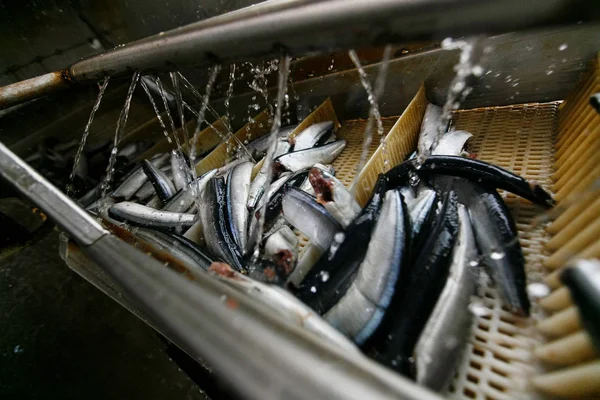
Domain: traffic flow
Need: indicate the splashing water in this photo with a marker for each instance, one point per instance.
(229, 136)
(374, 114)
(118, 134)
(201, 113)
(229, 93)
(163, 96)
(459, 90)
(179, 102)
(268, 163)
(86, 133)
(158, 116)
(260, 82)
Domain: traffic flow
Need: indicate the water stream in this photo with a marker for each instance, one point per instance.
(284, 66)
(110, 168)
(156, 111)
(86, 132)
(229, 93)
(374, 113)
(163, 95)
(179, 102)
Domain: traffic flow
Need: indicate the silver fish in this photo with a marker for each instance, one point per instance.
(309, 137)
(147, 189)
(181, 176)
(422, 210)
(161, 182)
(184, 199)
(257, 188)
(451, 143)
(429, 129)
(360, 311)
(136, 179)
(297, 160)
(282, 248)
(141, 215)
(292, 310)
(443, 339)
(238, 186)
(306, 261)
(303, 212)
(177, 247)
(334, 196)
(307, 187)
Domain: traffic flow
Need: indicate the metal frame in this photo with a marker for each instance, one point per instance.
(301, 26)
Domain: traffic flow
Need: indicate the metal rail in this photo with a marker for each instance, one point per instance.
(301, 26)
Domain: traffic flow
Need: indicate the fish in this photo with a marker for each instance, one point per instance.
(141, 215)
(178, 247)
(429, 129)
(414, 299)
(215, 226)
(313, 135)
(334, 196)
(162, 184)
(147, 189)
(309, 256)
(257, 188)
(422, 212)
(286, 306)
(483, 173)
(184, 199)
(497, 239)
(238, 186)
(303, 212)
(342, 259)
(136, 179)
(595, 101)
(451, 143)
(360, 310)
(181, 176)
(444, 337)
(582, 278)
(282, 249)
(297, 160)
(276, 193)
(258, 147)
(306, 185)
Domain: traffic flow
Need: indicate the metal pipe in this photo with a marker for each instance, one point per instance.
(301, 26)
(33, 88)
(260, 355)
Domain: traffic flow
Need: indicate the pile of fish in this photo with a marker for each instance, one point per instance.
(396, 276)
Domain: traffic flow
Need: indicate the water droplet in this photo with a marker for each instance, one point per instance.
(477, 70)
(324, 276)
(497, 255)
(563, 47)
(313, 289)
(474, 263)
(549, 72)
(537, 290)
(479, 309)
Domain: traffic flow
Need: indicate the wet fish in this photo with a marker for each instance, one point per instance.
(258, 147)
(313, 135)
(429, 129)
(498, 241)
(481, 172)
(306, 260)
(340, 263)
(184, 199)
(238, 186)
(177, 246)
(422, 213)
(305, 214)
(414, 300)
(181, 176)
(297, 160)
(141, 215)
(307, 187)
(162, 184)
(286, 306)
(136, 179)
(215, 224)
(154, 202)
(451, 143)
(259, 184)
(360, 310)
(282, 248)
(595, 102)
(443, 339)
(583, 280)
(334, 196)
